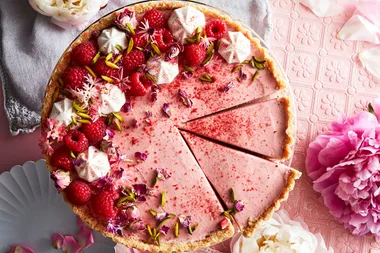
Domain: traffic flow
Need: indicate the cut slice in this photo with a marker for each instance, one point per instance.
(264, 128)
(261, 184)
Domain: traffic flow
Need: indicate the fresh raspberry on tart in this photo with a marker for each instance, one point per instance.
(78, 192)
(139, 85)
(155, 18)
(139, 40)
(94, 131)
(216, 28)
(61, 159)
(74, 77)
(133, 60)
(194, 54)
(164, 39)
(84, 53)
(103, 205)
(102, 69)
(76, 141)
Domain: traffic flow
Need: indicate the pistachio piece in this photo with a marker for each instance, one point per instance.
(83, 115)
(206, 78)
(118, 126)
(245, 62)
(90, 71)
(191, 40)
(84, 121)
(252, 63)
(108, 79)
(190, 230)
(109, 119)
(152, 212)
(255, 76)
(122, 200)
(74, 120)
(118, 58)
(96, 58)
(112, 65)
(176, 229)
(217, 44)
(109, 56)
(78, 107)
(236, 68)
(155, 48)
(118, 47)
(130, 28)
(155, 180)
(210, 49)
(72, 154)
(232, 195)
(163, 198)
(149, 230)
(188, 68)
(171, 215)
(258, 60)
(130, 45)
(162, 222)
(207, 59)
(118, 116)
(151, 78)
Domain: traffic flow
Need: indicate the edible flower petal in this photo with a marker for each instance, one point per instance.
(166, 110)
(239, 206)
(228, 87)
(224, 223)
(21, 249)
(162, 174)
(61, 179)
(141, 156)
(85, 237)
(139, 189)
(70, 245)
(88, 91)
(184, 220)
(161, 216)
(323, 8)
(126, 19)
(137, 225)
(132, 212)
(46, 146)
(174, 50)
(115, 226)
(57, 240)
(146, 30)
(164, 230)
(127, 107)
(185, 98)
(361, 29)
(370, 58)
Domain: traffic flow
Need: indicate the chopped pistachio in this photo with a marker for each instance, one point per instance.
(118, 47)
(163, 222)
(155, 180)
(198, 37)
(130, 28)
(191, 40)
(149, 230)
(176, 229)
(72, 154)
(198, 30)
(84, 121)
(190, 230)
(236, 68)
(90, 71)
(259, 65)
(258, 60)
(154, 232)
(112, 65)
(206, 78)
(195, 227)
(156, 49)
(118, 126)
(83, 115)
(78, 107)
(152, 212)
(158, 239)
(108, 79)
(118, 58)
(151, 78)
(96, 58)
(163, 198)
(118, 116)
(74, 120)
(109, 56)
(255, 76)
(252, 63)
(110, 119)
(130, 45)
(122, 200)
(227, 214)
(207, 59)
(245, 62)
(140, 48)
(217, 44)
(188, 68)
(171, 215)
(232, 195)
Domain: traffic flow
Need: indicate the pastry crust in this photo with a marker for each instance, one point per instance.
(288, 138)
(54, 86)
(253, 223)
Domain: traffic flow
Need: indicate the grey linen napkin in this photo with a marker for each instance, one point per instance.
(31, 46)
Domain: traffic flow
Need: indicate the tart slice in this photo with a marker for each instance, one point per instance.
(258, 185)
(263, 128)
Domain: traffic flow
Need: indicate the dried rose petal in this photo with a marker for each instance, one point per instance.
(132, 212)
(127, 107)
(85, 237)
(239, 206)
(139, 189)
(164, 230)
(187, 74)
(166, 110)
(61, 179)
(161, 216)
(110, 133)
(242, 75)
(141, 156)
(162, 174)
(148, 114)
(21, 249)
(70, 245)
(184, 220)
(115, 226)
(228, 87)
(137, 225)
(124, 18)
(118, 173)
(57, 240)
(140, 198)
(174, 50)
(135, 123)
(185, 98)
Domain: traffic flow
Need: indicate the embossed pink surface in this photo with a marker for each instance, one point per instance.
(326, 78)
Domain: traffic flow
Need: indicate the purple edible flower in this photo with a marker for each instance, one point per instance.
(137, 225)
(239, 205)
(187, 74)
(242, 75)
(184, 220)
(123, 18)
(174, 50)
(164, 230)
(162, 174)
(127, 107)
(110, 133)
(185, 98)
(228, 87)
(161, 216)
(141, 156)
(139, 189)
(148, 114)
(115, 226)
(166, 110)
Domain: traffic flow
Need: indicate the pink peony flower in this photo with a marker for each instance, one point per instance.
(344, 164)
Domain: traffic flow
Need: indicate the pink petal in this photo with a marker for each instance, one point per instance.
(85, 237)
(370, 10)
(57, 240)
(370, 59)
(323, 8)
(361, 29)
(80, 222)
(70, 245)
(21, 249)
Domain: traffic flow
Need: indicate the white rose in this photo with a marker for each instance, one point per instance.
(280, 234)
(67, 13)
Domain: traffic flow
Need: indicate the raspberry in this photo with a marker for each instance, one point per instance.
(94, 131)
(84, 53)
(133, 60)
(139, 85)
(164, 38)
(76, 141)
(75, 77)
(216, 28)
(139, 40)
(103, 205)
(78, 192)
(102, 69)
(155, 18)
(61, 159)
(194, 54)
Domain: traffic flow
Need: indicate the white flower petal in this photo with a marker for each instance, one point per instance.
(323, 8)
(359, 28)
(370, 59)
(370, 10)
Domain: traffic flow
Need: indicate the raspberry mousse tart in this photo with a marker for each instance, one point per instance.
(151, 110)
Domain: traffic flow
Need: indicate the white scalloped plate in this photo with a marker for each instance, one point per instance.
(31, 210)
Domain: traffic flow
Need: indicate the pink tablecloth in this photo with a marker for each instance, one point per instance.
(326, 78)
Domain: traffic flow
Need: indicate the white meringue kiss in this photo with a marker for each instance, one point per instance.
(62, 111)
(112, 99)
(235, 49)
(110, 39)
(361, 29)
(323, 8)
(94, 166)
(163, 71)
(67, 13)
(370, 59)
(183, 22)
